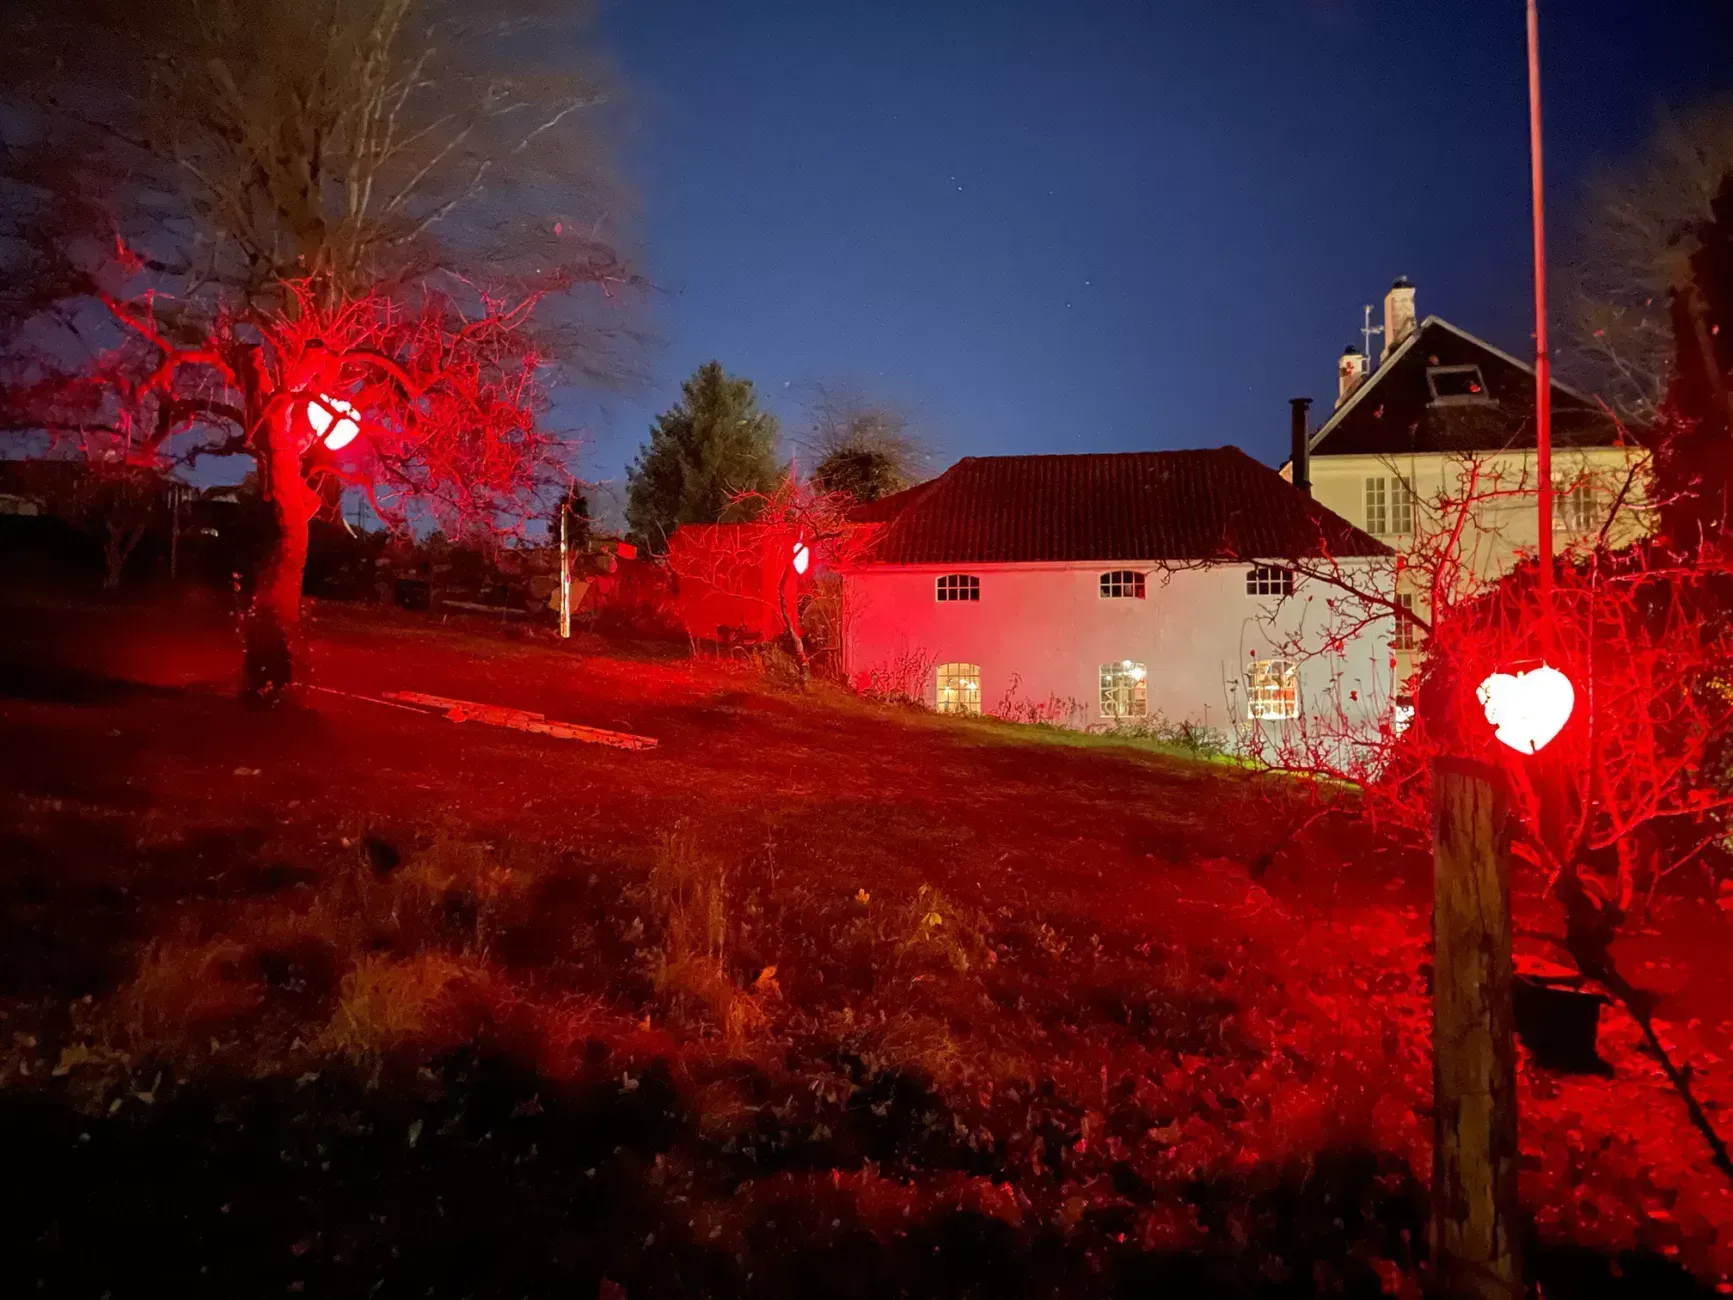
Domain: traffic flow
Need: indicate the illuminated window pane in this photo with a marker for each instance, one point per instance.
(958, 586)
(1267, 580)
(1122, 584)
(1273, 690)
(1124, 690)
(959, 688)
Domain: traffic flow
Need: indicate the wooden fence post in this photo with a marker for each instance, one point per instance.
(1474, 1167)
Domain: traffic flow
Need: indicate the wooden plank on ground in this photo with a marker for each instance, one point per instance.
(521, 720)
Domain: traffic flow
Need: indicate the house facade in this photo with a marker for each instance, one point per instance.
(1106, 591)
(1435, 449)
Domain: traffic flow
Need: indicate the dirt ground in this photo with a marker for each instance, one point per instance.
(817, 997)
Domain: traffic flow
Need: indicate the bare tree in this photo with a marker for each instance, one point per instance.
(234, 225)
(1629, 266)
(862, 448)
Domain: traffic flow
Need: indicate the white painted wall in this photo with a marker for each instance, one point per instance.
(1041, 632)
(1503, 528)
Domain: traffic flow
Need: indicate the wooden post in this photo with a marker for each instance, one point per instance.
(1474, 1168)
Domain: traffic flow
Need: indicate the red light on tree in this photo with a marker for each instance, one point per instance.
(335, 422)
(1527, 709)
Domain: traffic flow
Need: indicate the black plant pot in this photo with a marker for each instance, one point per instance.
(1558, 1023)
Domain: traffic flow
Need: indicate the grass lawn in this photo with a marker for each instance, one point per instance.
(818, 997)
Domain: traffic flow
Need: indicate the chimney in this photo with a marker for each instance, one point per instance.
(1350, 370)
(1301, 456)
(1398, 316)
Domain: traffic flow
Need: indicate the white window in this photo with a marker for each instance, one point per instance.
(1124, 690)
(1268, 580)
(1389, 506)
(1273, 690)
(959, 688)
(1456, 384)
(1407, 635)
(1122, 584)
(1577, 507)
(958, 586)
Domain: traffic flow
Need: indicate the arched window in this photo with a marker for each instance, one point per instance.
(957, 586)
(1122, 584)
(959, 688)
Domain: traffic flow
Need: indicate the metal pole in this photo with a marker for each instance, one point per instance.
(1542, 358)
(565, 578)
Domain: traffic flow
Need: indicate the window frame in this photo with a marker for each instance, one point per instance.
(951, 588)
(1124, 683)
(1393, 499)
(1277, 701)
(1378, 525)
(1482, 396)
(1112, 584)
(1407, 634)
(1574, 502)
(964, 681)
(1266, 581)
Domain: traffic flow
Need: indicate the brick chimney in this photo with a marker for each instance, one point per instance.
(1350, 371)
(1398, 316)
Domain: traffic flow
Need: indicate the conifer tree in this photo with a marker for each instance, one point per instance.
(711, 448)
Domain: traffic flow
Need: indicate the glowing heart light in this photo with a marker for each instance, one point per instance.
(802, 557)
(335, 422)
(1527, 709)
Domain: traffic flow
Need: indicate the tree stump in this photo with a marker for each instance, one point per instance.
(1474, 1173)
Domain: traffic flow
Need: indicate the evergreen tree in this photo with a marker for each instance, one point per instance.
(704, 451)
(1694, 462)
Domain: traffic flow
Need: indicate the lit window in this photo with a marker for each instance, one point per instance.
(959, 688)
(958, 586)
(1273, 690)
(1122, 584)
(1124, 690)
(1389, 506)
(1456, 384)
(1576, 508)
(1267, 580)
(1407, 631)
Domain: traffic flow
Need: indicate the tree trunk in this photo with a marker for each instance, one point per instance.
(1474, 1173)
(271, 626)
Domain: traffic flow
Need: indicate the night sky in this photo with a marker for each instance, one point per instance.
(1095, 226)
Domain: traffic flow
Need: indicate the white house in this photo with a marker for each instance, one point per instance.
(1397, 453)
(1101, 591)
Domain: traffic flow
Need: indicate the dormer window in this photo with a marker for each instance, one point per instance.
(1122, 584)
(957, 586)
(1456, 385)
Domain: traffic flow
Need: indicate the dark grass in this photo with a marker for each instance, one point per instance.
(989, 1106)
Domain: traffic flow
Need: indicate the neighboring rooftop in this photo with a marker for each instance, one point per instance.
(1146, 506)
(1444, 390)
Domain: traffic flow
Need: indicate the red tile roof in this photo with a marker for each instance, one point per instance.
(1216, 504)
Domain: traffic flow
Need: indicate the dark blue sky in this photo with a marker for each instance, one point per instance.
(1092, 226)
